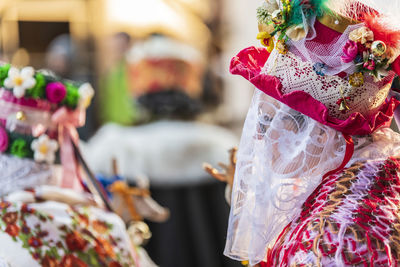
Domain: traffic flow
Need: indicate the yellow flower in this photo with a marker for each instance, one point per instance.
(266, 40)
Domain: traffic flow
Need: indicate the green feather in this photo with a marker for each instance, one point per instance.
(314, 7)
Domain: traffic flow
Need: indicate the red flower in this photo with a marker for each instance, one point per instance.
(114, 264)
(72, 261)
(49, 262)
(35, 242)
(75, 242)
(26, 209)
(104, 248)
(12, 230)
(10, 217)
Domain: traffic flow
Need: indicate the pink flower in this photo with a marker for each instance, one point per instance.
(350, 51)
(370, 65)
(55, 92)
(3, 140)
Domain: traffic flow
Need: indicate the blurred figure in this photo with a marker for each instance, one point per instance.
(116, 105)
(167, 81)
(61, 55)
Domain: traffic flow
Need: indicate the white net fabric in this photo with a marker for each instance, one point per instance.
(17, 174)
(329, 52)
(281, 160)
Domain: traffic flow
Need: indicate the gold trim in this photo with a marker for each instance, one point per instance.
(336, 22)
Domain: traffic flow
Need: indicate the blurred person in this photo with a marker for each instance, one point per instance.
(170, 148)
(115, 103)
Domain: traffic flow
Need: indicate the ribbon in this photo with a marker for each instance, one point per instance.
(347, 156)
(126, 193)
(67, 122)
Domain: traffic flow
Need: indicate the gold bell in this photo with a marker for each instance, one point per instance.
(343, 106)
(20, 116)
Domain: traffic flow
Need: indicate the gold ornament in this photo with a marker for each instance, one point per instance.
(282, 47)
(356, 79)
(343, 105)
(20, 116)
(378, 48)
(277, 17)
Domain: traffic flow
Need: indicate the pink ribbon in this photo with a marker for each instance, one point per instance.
(67, 122)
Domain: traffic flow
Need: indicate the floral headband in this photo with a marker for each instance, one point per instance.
(26, 83)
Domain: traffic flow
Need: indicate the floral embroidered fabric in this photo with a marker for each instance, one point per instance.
(55, 234)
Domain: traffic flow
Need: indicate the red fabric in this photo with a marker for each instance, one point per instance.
(347, 157)
(363, 231)
(29, 102)
(249, 62)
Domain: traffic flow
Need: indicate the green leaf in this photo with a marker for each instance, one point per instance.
(4, 73)
(39, 90)
(72, 97)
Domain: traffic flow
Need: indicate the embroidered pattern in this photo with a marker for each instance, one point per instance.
(87, 241)
(351, 219)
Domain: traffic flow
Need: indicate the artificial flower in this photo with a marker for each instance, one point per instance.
(269, 28)
(362, 35)
(356, 79)
(86, 93)
(71, 100)
(20, 81)
(4, 140)
(39, 90)
(350, 51)
(369, 65)
(20, 148)
(44, 149)
(319, 68)
(296, 32)
(271, 5)
(282, 47)
(55, 92)
(4, 73)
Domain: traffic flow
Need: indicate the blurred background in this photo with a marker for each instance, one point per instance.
(165, 101)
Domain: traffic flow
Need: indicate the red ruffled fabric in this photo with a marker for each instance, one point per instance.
(249, 63)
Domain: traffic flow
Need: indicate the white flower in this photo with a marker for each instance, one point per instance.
(45, 149)
(86, 93)
(362, 35)
(20, 81)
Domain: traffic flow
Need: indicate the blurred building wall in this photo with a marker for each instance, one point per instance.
(240, 24)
